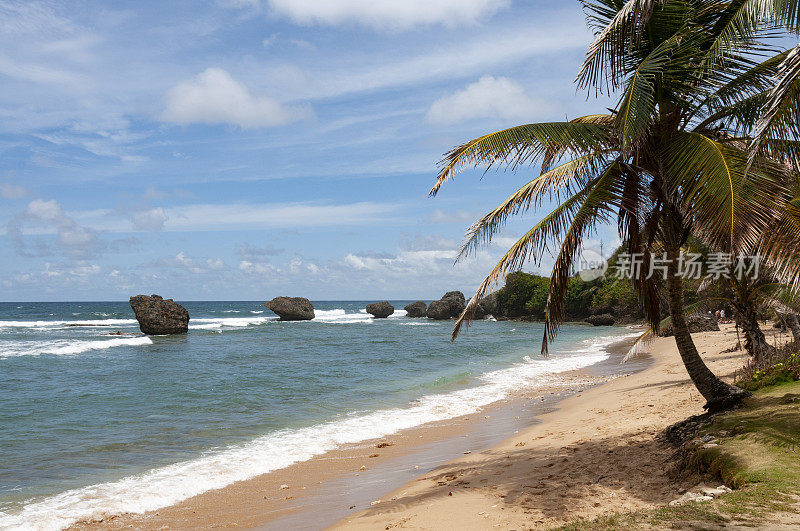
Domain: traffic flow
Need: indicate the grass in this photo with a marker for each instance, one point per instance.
(756, 450)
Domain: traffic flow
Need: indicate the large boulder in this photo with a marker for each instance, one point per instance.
(158, 317)
(697, 323)
(604, 319)
(490, 304)
(292, 308)
(381, 310)
(416, 309)
(448, 307)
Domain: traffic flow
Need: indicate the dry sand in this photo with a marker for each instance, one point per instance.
(597, 454)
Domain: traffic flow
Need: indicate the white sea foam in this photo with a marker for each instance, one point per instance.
(61, 324)
(228, 322)
(169, 485)
(67, 347)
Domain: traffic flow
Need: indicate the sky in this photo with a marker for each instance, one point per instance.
(246, 149)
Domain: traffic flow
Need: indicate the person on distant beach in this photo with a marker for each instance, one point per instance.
(722, 315)
(716, 316)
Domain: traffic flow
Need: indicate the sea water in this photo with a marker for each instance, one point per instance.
(98, 419)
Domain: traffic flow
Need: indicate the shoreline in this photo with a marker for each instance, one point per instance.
(332, 479)
(598, 453)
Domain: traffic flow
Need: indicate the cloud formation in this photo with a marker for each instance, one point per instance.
(388, 13)
(214, 97)
(489, 97)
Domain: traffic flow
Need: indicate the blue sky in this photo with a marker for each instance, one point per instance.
(244, 149)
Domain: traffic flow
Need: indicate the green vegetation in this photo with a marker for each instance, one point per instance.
(756, 449)
(525, 296)
(783, 366)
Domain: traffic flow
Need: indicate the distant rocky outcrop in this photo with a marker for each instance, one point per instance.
(490, 304)
(292, 308)
(416, 309)
(697, 323)
(448, 307)
(158, 316)
(381, 310)
(604, 319)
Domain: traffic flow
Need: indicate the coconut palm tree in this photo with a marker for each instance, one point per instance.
(671, 159)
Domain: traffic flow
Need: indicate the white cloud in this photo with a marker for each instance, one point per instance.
(458, 216)
(276, 215)
(393, 14)
(12, 191)
(489, 97)
(214, 97)
(150, 220)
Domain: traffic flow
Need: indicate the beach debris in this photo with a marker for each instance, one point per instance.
(352, 506)
(292, 308)
(375, 455)
(708, 446)
(158, 316)
(693, 497)
(380, 310)
(467, 452)
(383, 444)
(717, 492)
(363, 467)
(376, 502)
(416, 467)
(283, 487)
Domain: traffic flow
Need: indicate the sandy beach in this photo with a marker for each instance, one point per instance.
(597, 454)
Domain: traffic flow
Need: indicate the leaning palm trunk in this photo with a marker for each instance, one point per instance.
(718, 394)
(755, 342)
(794, 325)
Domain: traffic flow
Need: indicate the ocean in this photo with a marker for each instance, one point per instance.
(93, 422)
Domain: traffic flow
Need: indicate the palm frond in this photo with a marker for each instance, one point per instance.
(563, 179)
(523, 145)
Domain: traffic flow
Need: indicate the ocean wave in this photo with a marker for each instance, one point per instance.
(61, 324)
(227, 322)
(171, 484)
(68, 347)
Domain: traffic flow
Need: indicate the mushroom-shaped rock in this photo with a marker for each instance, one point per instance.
(158, 316)
(380, 310)
(416, 309)
(604, 319)
(448, 307)
(292, 308)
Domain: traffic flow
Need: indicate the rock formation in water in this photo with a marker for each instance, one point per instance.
(158, 316)
(604, 319)
(292, 308)
(416, 309)
(380, 310)
(449, 306)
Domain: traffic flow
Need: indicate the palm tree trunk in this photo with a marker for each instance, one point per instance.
(718, 394)
(755, 342)
(794, 325)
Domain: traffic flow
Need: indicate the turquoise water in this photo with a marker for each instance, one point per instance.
(96, 423)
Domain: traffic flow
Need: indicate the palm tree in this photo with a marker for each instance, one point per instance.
(671, 159)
